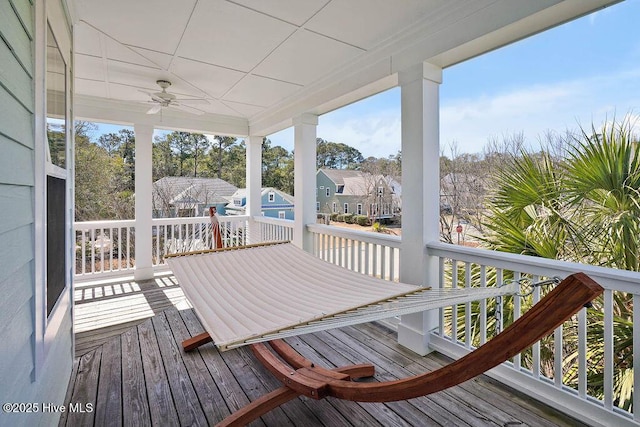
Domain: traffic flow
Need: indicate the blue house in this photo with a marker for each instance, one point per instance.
(275, 203)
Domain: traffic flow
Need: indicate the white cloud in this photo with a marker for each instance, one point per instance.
(471, 122)
(537, 109)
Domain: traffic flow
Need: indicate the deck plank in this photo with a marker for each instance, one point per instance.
(108, 408)
(142, 377)
(208, 393)
(184, 395)
(85, 388)
(135, 404)
(161, 406)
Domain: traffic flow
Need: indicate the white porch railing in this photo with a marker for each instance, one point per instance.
(107, 248)
(574, 348)
(580, 347)
(274, 230)
(178, 235)
(374, 254)
(104, 247)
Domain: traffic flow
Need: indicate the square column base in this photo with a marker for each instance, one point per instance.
(143, 273)
(415, 340)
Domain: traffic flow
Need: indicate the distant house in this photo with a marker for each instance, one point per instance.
(179, 196)
(356, 192)
(275, 203)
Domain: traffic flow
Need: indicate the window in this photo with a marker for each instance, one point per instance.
(346, 207)
(272, 197)
(281, 214)
(237, 202)
(335, 207)
(380, 191)
(328, 192)
(359, 208)
(56, 183)
(317, 206)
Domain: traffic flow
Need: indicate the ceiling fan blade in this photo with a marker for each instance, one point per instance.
(194, 101)
(154, 109)
(186, 108)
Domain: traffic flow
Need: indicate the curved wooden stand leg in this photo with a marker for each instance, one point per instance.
(299, 376)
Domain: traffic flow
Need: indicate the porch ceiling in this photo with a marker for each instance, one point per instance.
(260, 62)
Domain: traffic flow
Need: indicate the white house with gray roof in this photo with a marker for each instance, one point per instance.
(179, 196)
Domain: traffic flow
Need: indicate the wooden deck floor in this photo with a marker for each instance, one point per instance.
(142, 377)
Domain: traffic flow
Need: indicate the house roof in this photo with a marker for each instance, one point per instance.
(242, 192)
(338, 175)
(258, 64)
(171, 190)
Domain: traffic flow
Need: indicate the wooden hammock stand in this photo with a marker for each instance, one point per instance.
(300, 376)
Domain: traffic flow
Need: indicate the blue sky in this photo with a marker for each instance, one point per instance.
(584, 71)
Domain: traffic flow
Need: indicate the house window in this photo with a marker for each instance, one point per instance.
(328, 192)
(335, 207)
(359, 208)
(317, 206)
(281, 215)
(346, 208)
(237, 202)
(56, 159)
(380, 191)
(272, 197)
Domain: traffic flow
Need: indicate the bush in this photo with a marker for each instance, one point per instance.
(362, 220)
(334, 216)
(340, 218)
(348, 218)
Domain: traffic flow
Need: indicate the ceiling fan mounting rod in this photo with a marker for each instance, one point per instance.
(163, 83)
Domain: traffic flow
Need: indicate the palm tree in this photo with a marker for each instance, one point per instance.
(584, 207)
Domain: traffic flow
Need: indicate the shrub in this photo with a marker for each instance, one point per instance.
(362, 220)
(340, 218)
(348, 218)
(334, 216)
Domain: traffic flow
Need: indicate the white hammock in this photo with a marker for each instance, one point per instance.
(264, 292)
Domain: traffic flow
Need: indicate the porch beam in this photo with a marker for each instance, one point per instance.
(305, 130)
(254, 186)
(143, 203)
(420, 193)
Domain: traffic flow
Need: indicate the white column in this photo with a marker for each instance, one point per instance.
(420, 194)
(254, 186)
(144, 204)
(305, 178)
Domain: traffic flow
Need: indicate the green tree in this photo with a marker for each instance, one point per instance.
(277, 167)
(164, 160)
(336, 155)
(221, 144)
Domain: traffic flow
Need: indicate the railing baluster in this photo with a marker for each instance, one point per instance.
(582, 353)
(454, 308)
(517, 359)
(535, 349)
(608, 349)
(636, 359)
(467, 307)
(483, 306)
(441, 285)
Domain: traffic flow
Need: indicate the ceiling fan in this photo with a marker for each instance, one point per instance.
(165, 99)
